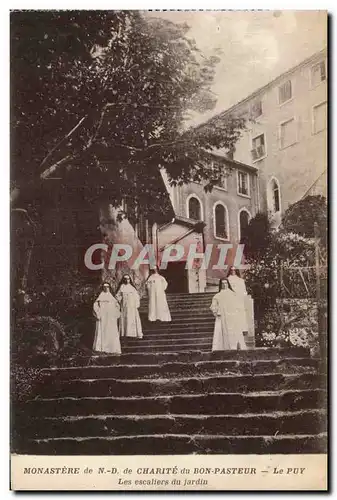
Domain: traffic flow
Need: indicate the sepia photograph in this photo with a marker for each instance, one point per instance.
(169, 243)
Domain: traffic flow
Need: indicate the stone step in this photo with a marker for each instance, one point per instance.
(180, 444)
(223, 403)
(187, 304)
(179, 321)
(181, 313)
(261, 353)
(187, 332)
(190, 343)
(183, 296)
(177, 304)
(292, 365)
(190, 348)
(184, 385)
(192, 297)
(176, 331)
(183, 309)
(182, 303)
(182, 316)
(186, 308)
(187, 295)
(176, 338)
(171, 336)
(167, 348)
(178, 325)
(298, 422)
(160, 339)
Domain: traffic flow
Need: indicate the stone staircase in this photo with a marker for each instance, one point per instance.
(169, 394)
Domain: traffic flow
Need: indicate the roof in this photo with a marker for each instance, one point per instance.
(233, 163)
(184, 221)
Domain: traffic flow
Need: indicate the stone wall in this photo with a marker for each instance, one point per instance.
(234, 203)
(298, 165)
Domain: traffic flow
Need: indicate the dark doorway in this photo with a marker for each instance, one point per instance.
(244, 223)
(176, 277)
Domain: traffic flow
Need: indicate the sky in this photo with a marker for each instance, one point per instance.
(257, 46)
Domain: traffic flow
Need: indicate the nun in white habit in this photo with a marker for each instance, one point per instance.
(128, 297)
(158, 307)
(106, 311)
(227, 328)
(238, 286)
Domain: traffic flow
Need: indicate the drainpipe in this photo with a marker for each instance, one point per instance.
(157, 244)
(258, 192)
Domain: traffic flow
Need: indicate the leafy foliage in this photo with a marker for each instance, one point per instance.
(99, 99)
(287, 256)
(258, 236)
(25, 381)
(36, 338)
(300, 217)
(280, 262)
(290, 322)
(282, 280)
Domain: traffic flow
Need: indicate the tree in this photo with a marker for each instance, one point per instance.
(100, 98)
(281, 267)
(257, 236)
(300, 217)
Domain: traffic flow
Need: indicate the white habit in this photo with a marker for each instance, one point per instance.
(130, 325)
(158, 307)
(238, 284)
(227, 328)
(107, 312)
(239, 287)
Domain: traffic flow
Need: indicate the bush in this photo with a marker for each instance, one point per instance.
(300, 217)
(265, 278)
(36, 340)
(290, 323)
(25, 381)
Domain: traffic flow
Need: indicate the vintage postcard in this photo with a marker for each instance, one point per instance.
(169, 250)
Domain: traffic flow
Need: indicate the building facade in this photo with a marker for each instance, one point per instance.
(218, 217)
(286, 135)
(280, 158)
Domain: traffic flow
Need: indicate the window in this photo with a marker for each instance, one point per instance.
(221, 171)
(222, 183)
(244, 218)
(285, 92)
(243, 183)
(194, 208)
(259, 149)
(319, 117)
(256, 109)
(220, 219)
(288, 133)
(318, 73)
(276, 197)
